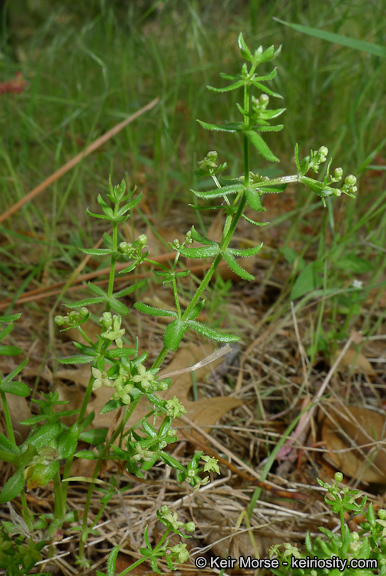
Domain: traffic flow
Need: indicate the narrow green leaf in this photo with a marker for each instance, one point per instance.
(12, 487)
(112, 560)
(94, 436)
(261, 146)
(111, 405)
(96, 289)
(6, 331)
(277, 128)
(253, 222)
(210, 333)
(201, 252)
(264, 188)
(234, 86)
(149, 429)
(10, 351)
(33, 420)
(253, 199)
(174, 334)
(44, 435)
(224, 191)
(87, 350)
(307, 281)
(151, 311)
(87, 302)
(107, 241)
(119, 353)
(77, 359)
(199, 238)
(237, 269)
(68, 441)
(172, 462)
(270, 114)
(293, 257)
(369, 47)
(97, 215)
(236, 127)
(354, 264)
(9, 457)
(130, 289)
(9, 317)
(96, 251)
(269, 76)
(105, 207)
(244, 50)
(15, 371)
(119, 307)
(6, 445)
(87, 455)
(15, 388)
(266, 90)
(246, 251)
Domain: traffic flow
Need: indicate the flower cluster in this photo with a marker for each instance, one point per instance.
(112, 326)
(74, 318)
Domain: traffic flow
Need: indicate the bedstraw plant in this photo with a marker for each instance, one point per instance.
(116, 363)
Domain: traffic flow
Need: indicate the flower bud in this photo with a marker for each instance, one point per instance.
(323, 151)
(338, 173)
(350, 180)
(142, 239)
(190, 527)
(338, 476)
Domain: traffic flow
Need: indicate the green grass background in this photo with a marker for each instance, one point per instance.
(89, 65)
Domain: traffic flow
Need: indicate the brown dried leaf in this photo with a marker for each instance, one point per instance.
(217, 523)
(19, 410)
(346, 427)
(352, 360)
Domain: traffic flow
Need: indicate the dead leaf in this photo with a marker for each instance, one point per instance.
(217, 524)
(356, 362)
(19, 411)
(168, 234)
(352, 436)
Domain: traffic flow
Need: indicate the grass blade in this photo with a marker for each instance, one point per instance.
(353, 43)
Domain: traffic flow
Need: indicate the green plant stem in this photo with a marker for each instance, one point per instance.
(25, 510)
(227, 234)
(129, 410)
(60, 490)
(7, 416)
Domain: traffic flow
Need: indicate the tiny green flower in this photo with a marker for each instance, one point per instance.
(100, 379)
(146, 378)
(180, 553)
(174, 408)
(114, 332)
(211, 464)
